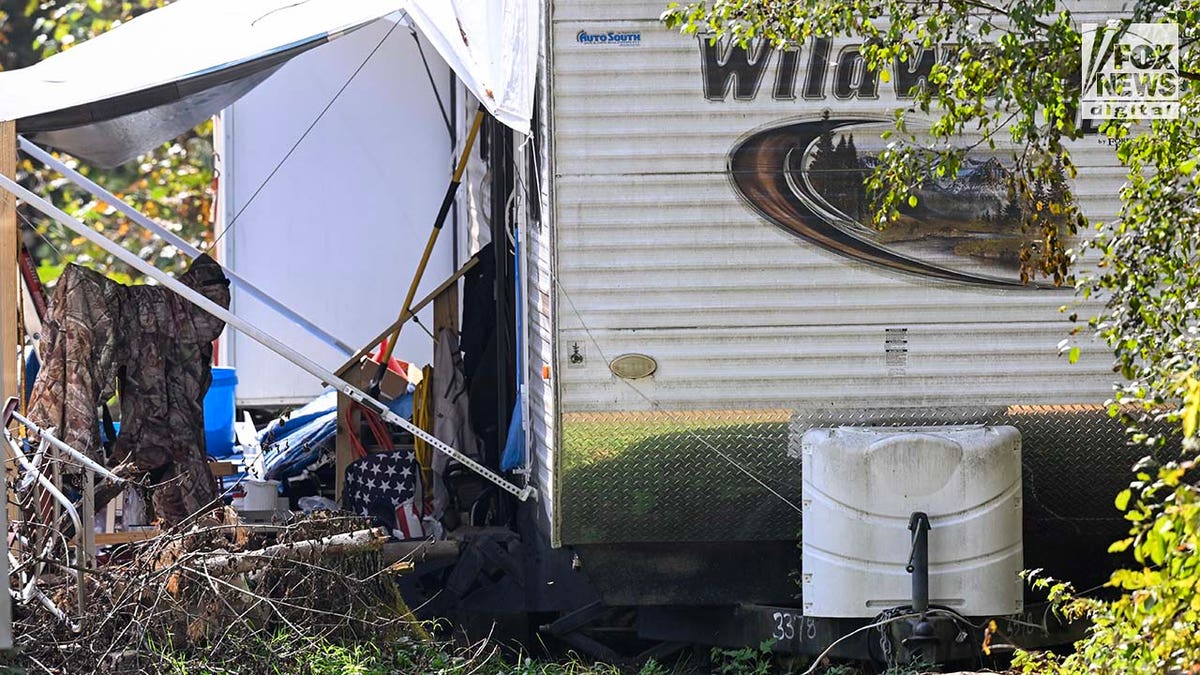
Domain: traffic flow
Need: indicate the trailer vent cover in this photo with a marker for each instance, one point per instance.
(633, 366)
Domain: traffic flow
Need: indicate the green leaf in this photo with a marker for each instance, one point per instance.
(912, 201)
(1122, 500)
(1156, 547)
(1120, 545)
(1073, 355)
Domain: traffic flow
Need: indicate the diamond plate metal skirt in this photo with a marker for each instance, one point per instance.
(705, 476)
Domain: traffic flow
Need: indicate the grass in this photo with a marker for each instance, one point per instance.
(287, 652)
(321, 657)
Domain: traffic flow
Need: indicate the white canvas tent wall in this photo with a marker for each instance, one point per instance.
(385, 148)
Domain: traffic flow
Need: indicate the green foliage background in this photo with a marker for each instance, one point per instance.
(173, 184)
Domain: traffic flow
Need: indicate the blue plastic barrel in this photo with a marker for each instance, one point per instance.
(220, 408)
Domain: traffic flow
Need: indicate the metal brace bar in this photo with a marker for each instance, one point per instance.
(6, 632)
(87, 462)
(178, 242)
(262, 337)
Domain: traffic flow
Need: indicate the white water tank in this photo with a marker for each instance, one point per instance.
(860, 487)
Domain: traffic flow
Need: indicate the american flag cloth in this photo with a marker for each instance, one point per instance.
(383, 486)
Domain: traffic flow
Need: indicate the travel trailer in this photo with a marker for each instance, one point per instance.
(745, 413)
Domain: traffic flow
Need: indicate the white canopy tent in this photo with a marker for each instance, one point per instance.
(195, 57)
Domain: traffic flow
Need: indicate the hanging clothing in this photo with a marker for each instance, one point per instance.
(480, 340)
(165, 375)
(156, 348)
(451, 421)
(78, 349)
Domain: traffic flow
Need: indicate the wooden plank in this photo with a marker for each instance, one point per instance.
(221, 469)
(126, 537)
(6, 635)
(10, 294)
(445, 311)
(10, 246)
(10, 274)
(343, 454)
(417, 307)
(87, 514)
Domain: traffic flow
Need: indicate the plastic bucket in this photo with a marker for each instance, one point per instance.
(261, 495)
(219, 412)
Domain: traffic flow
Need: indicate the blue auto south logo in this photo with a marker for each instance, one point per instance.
(612, 37)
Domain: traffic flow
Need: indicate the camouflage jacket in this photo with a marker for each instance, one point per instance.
(155, 349)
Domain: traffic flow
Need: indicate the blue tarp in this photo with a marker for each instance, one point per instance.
(514, 445)
(293, 444)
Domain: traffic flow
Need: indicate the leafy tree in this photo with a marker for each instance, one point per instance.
(172, 184)
(1154, 625)
(1008, 75)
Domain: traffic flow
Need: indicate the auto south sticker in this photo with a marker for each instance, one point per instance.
(611, 38)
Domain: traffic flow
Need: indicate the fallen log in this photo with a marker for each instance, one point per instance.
(311, 550)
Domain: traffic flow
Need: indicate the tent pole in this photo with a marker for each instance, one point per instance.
(438, 222)
(262, 337)
(178, 242)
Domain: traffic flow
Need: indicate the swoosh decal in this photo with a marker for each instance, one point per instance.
(758, 165)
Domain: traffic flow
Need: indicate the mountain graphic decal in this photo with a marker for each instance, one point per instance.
(808, 177)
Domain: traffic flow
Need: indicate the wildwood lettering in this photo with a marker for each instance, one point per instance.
(729, 68)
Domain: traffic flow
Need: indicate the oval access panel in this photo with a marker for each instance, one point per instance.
(633, 366)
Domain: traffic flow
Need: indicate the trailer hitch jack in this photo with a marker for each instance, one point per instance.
(923, 640)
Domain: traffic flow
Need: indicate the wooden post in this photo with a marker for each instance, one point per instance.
(445, 311)
(343, 452)
(10, 295)
(87, 514)
(9, 273)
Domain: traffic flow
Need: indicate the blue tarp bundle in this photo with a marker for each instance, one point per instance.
(291, 445)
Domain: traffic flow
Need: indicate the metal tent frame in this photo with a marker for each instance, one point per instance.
(93, 188)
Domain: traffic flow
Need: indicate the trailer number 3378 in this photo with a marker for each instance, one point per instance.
(786, 626)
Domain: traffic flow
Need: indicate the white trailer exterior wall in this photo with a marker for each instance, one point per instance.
(537, 250)
(656, 252)
(337, 232)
